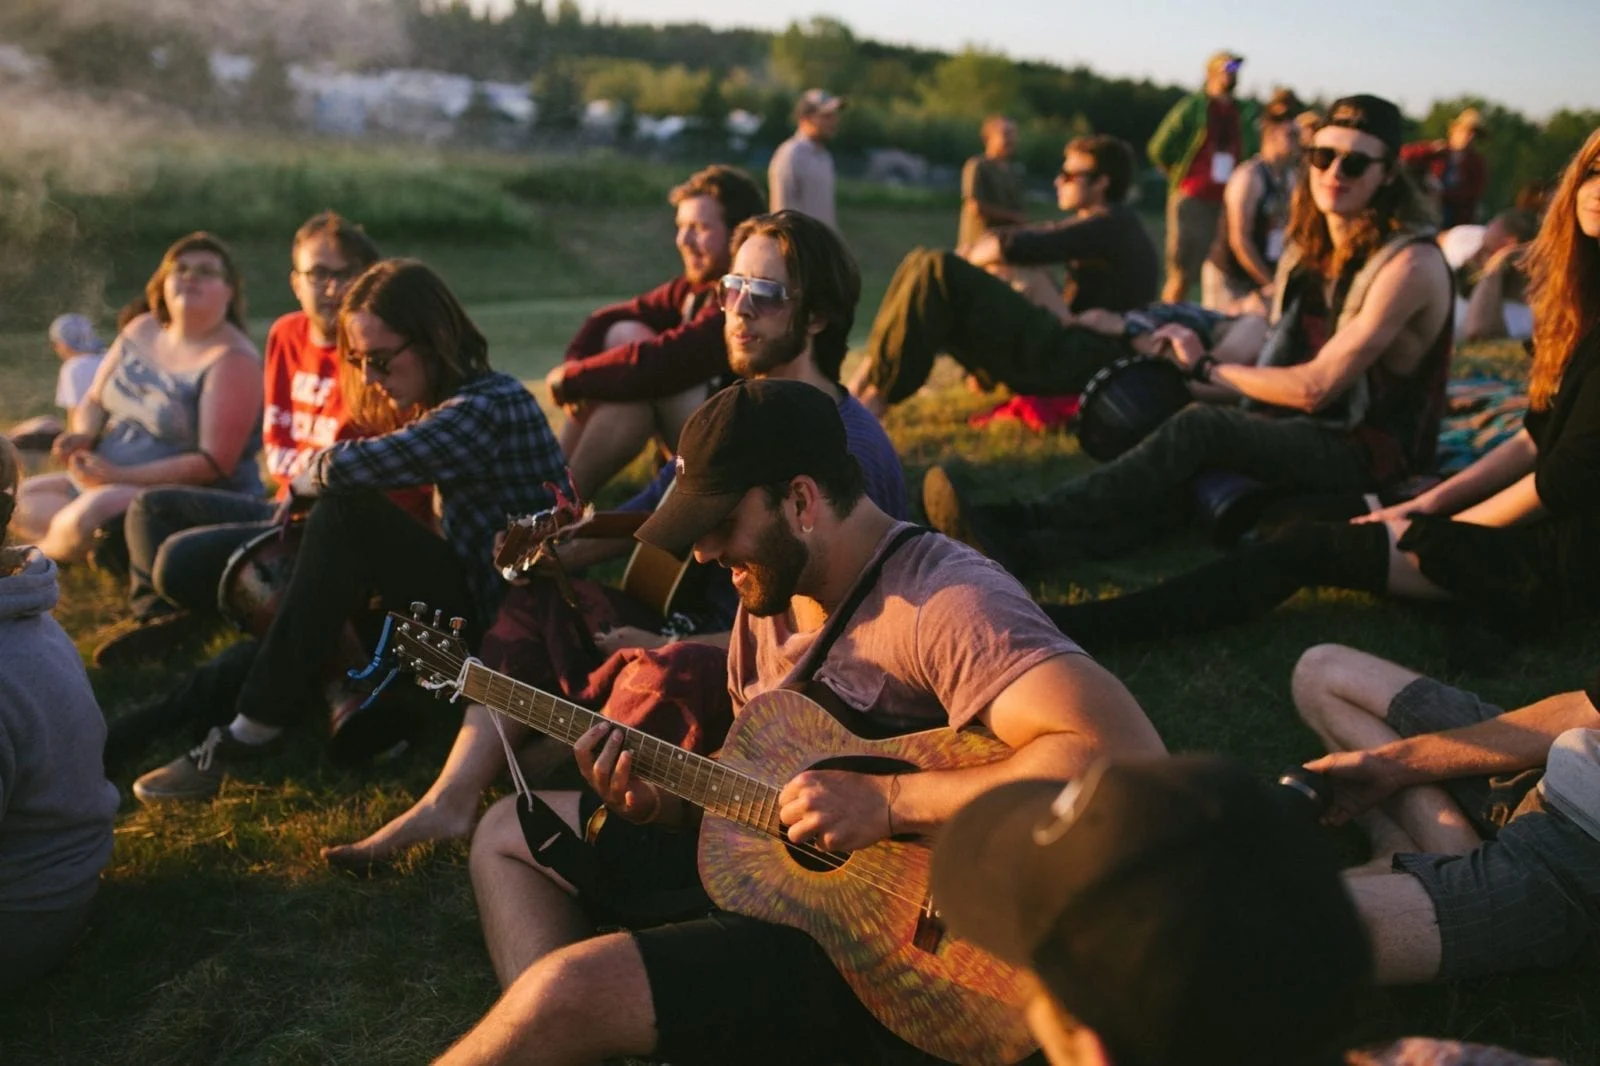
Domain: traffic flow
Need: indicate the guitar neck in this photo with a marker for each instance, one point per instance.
(704, 782)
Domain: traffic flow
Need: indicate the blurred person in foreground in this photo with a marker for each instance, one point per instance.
(177, 400)
(80, 349)
(635, 370)
(1170, 913)
(56, 806)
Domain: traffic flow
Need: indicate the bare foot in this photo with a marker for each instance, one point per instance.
(427, 820)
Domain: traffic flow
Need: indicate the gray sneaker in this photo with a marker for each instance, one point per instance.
(198, 774)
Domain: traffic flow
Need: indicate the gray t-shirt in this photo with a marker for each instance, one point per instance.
(942, 633)
(801, 177)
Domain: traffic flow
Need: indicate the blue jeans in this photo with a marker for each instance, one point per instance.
(179, 542)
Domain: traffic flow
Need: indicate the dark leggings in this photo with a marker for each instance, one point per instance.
(1243, 585)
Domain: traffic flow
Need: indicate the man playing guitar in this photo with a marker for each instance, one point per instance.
(895, 631)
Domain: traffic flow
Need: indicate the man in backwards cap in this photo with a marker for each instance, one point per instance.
(1172, 911)
(939, 637)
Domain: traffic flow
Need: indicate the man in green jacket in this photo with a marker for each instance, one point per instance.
(1203, 137)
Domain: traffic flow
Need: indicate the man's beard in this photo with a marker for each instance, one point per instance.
(770, 584)
(768, 355)
(703, 270)
(327, 325)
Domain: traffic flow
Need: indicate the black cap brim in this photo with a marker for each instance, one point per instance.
(683, 519)
(983, 866)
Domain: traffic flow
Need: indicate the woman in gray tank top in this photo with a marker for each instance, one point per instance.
(177, 401)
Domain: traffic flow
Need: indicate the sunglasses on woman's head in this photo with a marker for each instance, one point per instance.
(1351, 164)
(766, 297)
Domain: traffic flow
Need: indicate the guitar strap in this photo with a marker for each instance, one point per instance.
(804, 679)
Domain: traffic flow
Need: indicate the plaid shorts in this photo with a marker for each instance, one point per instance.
(1529, 896)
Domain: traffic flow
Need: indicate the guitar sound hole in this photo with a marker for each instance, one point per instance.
(813, 858)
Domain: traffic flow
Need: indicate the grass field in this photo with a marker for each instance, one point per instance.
(220, 936)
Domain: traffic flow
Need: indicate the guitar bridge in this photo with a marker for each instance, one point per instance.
(930, 931)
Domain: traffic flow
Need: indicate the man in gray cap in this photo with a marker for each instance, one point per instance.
(801, 174)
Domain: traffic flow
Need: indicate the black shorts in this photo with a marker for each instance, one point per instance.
(726, 988)
(1529, 896)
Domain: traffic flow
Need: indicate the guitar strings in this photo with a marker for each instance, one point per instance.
(866, 868)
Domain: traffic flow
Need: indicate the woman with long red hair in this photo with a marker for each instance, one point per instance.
(1515, 536)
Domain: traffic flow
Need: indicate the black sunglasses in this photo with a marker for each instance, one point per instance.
(377, 360)
(766, 296)
(1074, 175)
(1351, 164)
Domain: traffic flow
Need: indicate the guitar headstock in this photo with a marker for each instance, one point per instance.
(425, 647)
(527, 535)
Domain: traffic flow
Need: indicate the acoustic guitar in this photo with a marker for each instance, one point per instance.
(868, 909)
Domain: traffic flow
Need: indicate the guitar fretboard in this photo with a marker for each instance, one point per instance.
(697, 779)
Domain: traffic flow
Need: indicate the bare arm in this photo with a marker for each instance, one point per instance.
(1510, 462)
(1240, 199)
(1519, 740)
(1486, 314)
(1517, 502)
(1412, 287)
(1057, 718)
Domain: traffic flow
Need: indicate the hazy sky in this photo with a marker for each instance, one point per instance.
(1532, 55)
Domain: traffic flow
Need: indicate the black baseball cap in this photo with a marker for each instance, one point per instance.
(1369, 114)
(751, 433)
(1181, 909)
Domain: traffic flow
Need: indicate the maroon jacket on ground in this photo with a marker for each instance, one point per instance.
(687, 350)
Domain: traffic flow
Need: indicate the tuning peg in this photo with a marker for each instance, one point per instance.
(418, 609)
(457, 624)
(438, 618)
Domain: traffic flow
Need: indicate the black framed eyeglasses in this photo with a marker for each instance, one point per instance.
(1351, 164)
(765, 296)
(1068, 174)
(377, 360)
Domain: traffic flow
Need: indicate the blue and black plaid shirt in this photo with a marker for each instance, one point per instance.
(488, 452)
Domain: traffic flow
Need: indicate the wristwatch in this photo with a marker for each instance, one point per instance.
(1201, 371)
